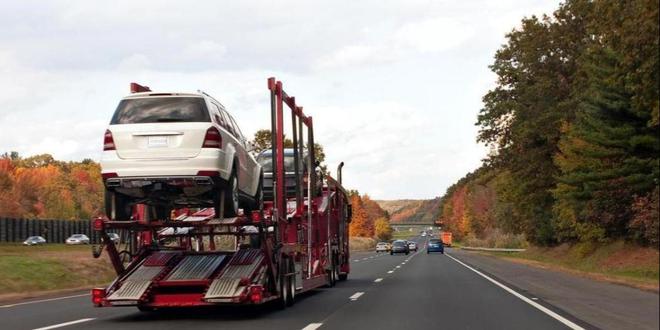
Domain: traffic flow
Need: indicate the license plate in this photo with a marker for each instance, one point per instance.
(157, 142)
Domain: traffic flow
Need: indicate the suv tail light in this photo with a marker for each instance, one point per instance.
(212, 139)
(108, 141)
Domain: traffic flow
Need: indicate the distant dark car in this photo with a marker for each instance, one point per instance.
(34, 240)
(435, 245)
(399, 246)
(265, 160)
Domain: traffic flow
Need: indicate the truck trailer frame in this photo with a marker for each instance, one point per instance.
(194, 258)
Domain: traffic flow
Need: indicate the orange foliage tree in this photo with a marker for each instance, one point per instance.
(40, 187)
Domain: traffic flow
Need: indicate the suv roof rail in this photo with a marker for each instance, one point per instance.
(211, 97)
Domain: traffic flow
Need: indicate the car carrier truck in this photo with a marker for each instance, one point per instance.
(195, 257)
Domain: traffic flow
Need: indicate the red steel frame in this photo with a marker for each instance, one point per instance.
(312, 236)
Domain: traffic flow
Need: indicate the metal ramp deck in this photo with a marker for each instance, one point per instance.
(137, 283)
(228, 284)
(196, 267)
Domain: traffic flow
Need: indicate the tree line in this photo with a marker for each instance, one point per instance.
(573, 128)
(369, 219)
(40, 187)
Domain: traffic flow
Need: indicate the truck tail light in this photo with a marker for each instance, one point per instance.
(212, 139)
(256, 216)
(98, 294)
(108, 141)
(256, 294)
(97, 224)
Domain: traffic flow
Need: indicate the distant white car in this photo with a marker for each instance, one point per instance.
(173, 150)
(423, 234)
(412, 246)
(34, 240)
(382, 247)
(114, 237)
(77, 239)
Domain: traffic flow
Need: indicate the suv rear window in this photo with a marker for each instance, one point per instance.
(161, 110)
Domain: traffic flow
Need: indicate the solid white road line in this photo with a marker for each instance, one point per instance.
(378, 280)
(44, 300)
(534, 304)
(312, 326)
(355, 296)
(55, 326)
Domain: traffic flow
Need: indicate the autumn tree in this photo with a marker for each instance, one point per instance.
(360, 225)
(382, 229)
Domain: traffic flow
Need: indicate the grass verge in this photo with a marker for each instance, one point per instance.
(29, 270)
(616, 262)
(362, 244)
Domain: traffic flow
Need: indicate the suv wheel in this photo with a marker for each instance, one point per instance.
(231, 196)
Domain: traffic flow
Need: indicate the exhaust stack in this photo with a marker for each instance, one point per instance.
(339, 172)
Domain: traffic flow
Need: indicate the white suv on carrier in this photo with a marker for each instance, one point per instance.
(174, 150)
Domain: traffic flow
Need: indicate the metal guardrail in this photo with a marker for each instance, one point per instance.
(470, 248)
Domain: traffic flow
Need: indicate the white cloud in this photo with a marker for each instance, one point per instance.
(204, 49)
(135, 62)
(433, 35)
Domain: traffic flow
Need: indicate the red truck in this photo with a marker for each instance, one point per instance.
(446, 238)
(195, 258)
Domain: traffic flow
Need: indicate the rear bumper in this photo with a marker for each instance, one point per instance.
(207, 160)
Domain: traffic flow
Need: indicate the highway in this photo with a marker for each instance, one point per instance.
(418, 291)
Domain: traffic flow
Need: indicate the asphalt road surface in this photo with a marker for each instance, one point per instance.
(417, 291)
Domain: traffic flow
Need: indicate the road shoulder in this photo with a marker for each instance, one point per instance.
(604, 305)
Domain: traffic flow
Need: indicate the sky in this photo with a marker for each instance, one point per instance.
(394, 87)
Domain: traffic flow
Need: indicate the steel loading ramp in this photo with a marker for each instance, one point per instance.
(137, 283)
(233, 280)
(166, 266)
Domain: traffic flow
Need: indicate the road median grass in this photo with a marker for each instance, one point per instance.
(357, 244)
(27, 271)
(616, 262)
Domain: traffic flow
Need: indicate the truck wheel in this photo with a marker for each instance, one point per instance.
(231, 196)
(292, 284)
(118, 205)
(284, 289)
(145, 309)
(343, 277)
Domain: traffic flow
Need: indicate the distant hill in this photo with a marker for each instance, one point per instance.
(412, 210)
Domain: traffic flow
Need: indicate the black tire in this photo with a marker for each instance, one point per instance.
(232, 196)
(258, 199)
(118, 203)
(407, 253)
(146, 309)
(292, 290)
(284, 288)
(343, 277)
(391, 253)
